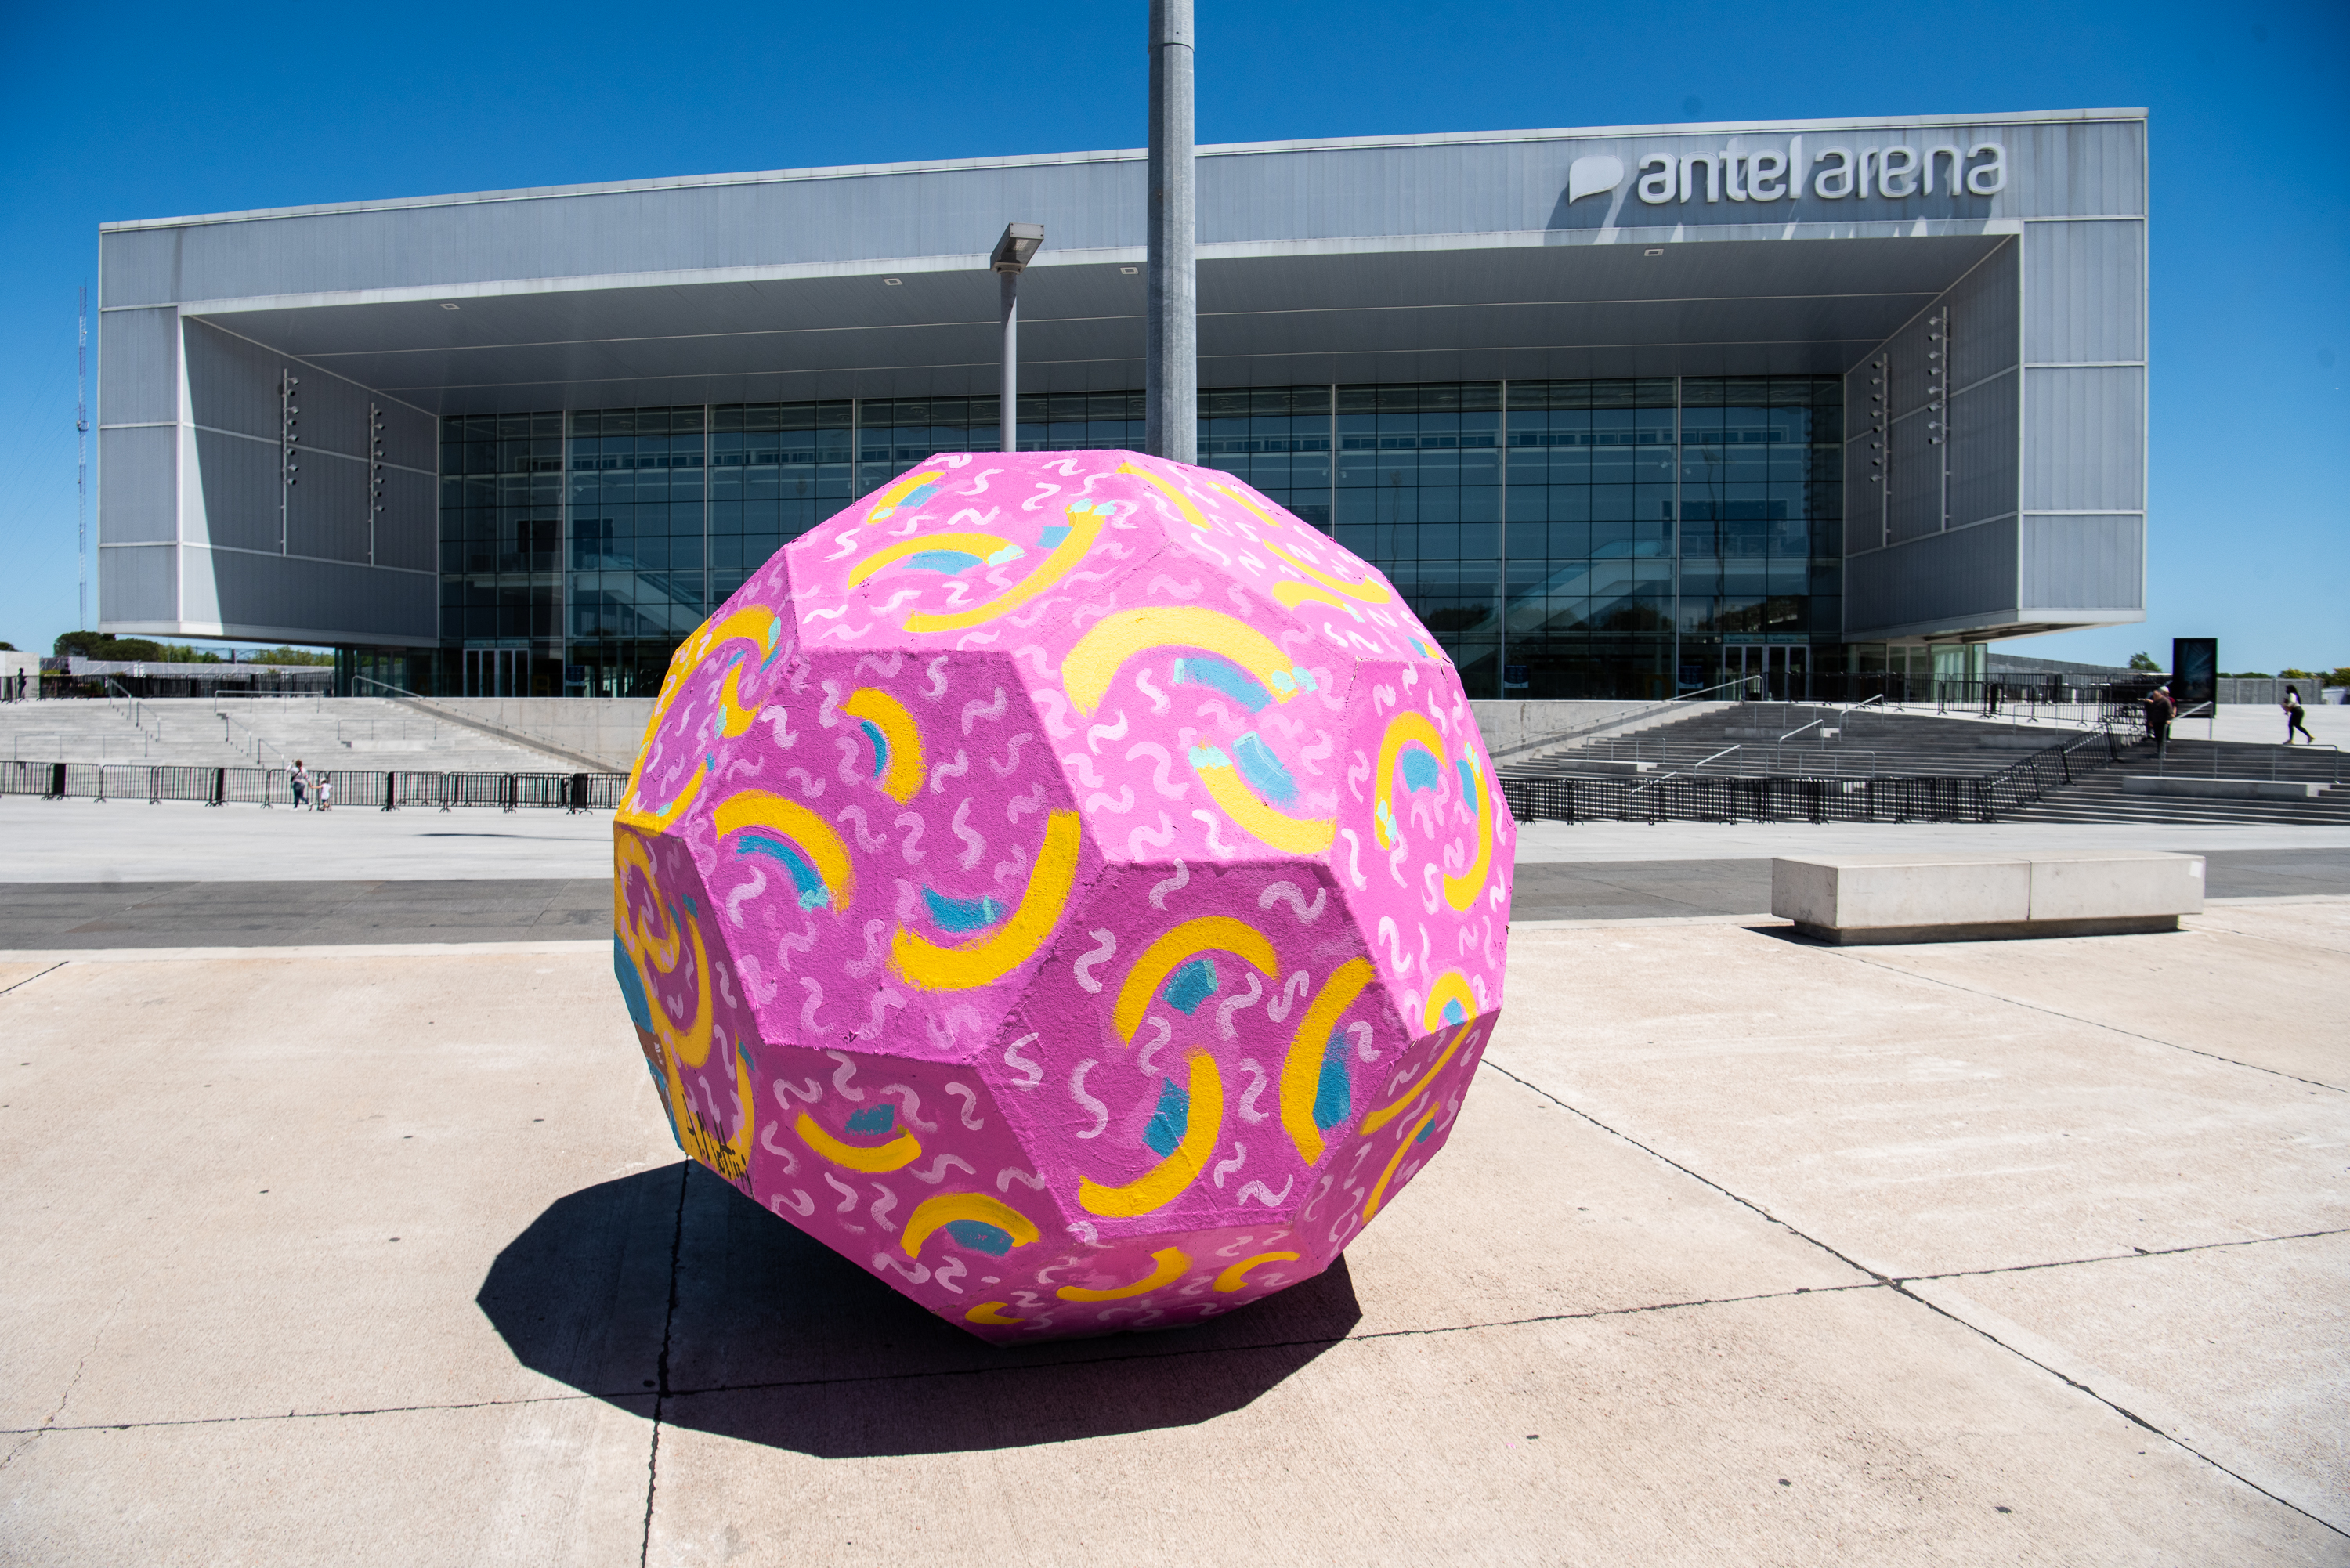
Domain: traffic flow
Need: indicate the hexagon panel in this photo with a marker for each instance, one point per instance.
(1068, 885)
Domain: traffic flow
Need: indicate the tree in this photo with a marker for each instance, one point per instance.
(2142, 662)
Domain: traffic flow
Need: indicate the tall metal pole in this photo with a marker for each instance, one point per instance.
(81, 461)
(1171, 349)
(1011, 411)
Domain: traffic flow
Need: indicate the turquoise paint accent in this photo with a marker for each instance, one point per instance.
(880, 746)
(1455, 1012)
(632, 987)
(1051, 537)
(1419, 770)
(961, 913)
(1263, 770)
(1468, 781)
(1209, 757)
(873, 1119)
(1009, 553)
(1192, 984)
(1334, 1096)
(981, 1237)
(813, 894)
(660, 1092)
(1227, 677)
(947, 561)
(1172, 1120)
(1427, 1132)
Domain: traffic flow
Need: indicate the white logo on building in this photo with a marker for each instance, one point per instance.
(1738, 174)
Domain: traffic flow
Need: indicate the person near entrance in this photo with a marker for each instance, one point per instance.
(2294, 714)
(2159, 711)
(300, 779)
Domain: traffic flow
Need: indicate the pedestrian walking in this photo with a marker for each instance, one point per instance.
(300, 780)
(2159, 711)
(2293, 716)
(326, 790)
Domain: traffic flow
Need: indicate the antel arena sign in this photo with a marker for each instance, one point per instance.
(1771, 174)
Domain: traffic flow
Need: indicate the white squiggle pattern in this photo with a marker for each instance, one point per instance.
(976, 845)
(1083, 969)
(1077, 1093)
(1257, 1080)
(969, 1098)
(1175, 884)
(840, 1080)
(938, 1170)
(1291, 894)
(1012, 1173)
(1012, 1058)
(848, 1193)
(1225, 1028)
(1260, 1192)
(1144, 1059)
(883, 1207)
(1293, 991)
(945, 1275)
(1225, 1167)
(910, 1105)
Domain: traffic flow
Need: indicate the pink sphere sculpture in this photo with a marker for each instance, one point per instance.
(1067, 886)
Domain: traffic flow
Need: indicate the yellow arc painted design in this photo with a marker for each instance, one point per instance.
(1301, 1070)
(1166, 1181)
(947, 1208)
(1297, 834)
(875, 1160)
(903, 775)
(935, 968)
(690, 1043)
(1380, 1188)
(979, 545)
(887, 502)
(1084, 527)
(1407, 729)
(1170, 1263)
(1362, 592)
(992, 1311)
(1184, 503)
(1183, 942)
(681, 1047)
(813, 834)
(1093, 663)
(1396, 1106)
(1235, 1277)
(759, 625)
(1451, 986)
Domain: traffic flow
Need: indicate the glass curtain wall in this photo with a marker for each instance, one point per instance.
(1646, 536)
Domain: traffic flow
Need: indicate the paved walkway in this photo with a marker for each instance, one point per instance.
(1744, 1250)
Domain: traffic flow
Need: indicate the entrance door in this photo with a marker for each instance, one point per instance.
(1772, 672)
(496, 671)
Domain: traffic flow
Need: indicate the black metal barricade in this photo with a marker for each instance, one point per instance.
(351, 787)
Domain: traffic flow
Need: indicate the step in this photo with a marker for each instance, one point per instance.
(2222, 788)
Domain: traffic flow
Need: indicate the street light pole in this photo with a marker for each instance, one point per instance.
(1010, 258)
(1171, 347)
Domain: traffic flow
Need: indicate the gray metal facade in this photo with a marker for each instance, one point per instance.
(2003, 310)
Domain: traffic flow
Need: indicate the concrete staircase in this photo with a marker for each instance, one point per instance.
(355, 732)
(2106, 796)
(1749, 740)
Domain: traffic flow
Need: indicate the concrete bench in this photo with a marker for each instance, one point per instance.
(1937, 897)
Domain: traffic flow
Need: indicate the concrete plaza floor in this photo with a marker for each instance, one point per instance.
(1745, 1250)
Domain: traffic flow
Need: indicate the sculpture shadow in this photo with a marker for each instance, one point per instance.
(669, 1283)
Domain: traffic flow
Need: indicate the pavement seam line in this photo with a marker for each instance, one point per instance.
(1326, 1341)
(1898, 1288)
(660, 1374)
(1704, 1181)
(2122, 1410)
(29, 979)
(2130, 1257)
(2092, 1023)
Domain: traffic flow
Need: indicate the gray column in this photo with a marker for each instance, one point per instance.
(1008, 407)
(1171, 353)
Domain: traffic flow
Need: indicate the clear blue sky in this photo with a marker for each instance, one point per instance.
(148, 116)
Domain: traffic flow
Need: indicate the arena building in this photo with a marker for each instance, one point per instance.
(1623, 412)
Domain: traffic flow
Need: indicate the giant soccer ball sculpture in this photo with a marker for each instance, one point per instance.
(1067, 886)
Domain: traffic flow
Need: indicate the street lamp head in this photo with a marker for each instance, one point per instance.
(1020, 242)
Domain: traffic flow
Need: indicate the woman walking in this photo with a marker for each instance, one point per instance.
(2293, 716)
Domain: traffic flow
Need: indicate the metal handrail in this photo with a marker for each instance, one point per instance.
(1620, 720)
(1799, 730)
